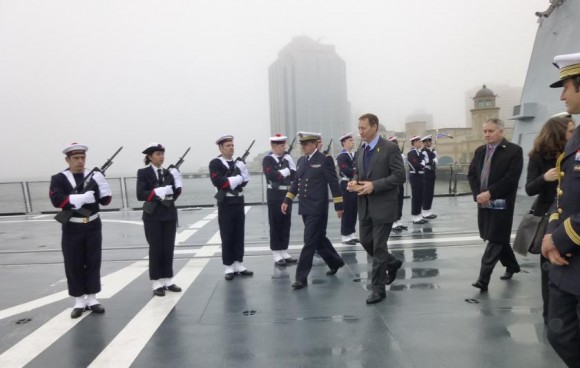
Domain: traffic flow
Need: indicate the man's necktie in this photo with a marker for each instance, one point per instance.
(367, 159)
(486, 167)
(160, 176)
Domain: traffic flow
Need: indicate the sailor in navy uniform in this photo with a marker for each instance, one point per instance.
(230, 176)
(561, 245)
(398, 225)
(280, 170)
(428, 176)
(81, 236)
(416, 162)
(314, 174)
(345, 163)
(159, 188)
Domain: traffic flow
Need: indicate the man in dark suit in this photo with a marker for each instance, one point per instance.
(561, 245)
(314, 175)
(493, 176)
(380, 173)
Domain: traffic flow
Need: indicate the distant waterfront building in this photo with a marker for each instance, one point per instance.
(308, 91)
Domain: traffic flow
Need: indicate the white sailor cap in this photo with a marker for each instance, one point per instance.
(153, 147)
(308, 136)
(345, 136)
(415, 138)
(224, 138)
(75, 149)
(569, 66)
(427, 138)
(278, 138)
(393, 138)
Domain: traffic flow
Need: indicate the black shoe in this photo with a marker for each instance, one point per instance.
(280, 262)
(76, 312)
(397, 228)
(333, 271)
(245, 273)
(403, 227)
(392, 271)
(229, 276)
(376, 297)
(349, 242)
(356, 240)
(159, 292)
(299, 285)
(430, 217)
(174, 288)
(290, 260)
(97, 308)
(480, 285)
(420, 222)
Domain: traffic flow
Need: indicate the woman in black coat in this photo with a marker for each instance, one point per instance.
(159, 188)
(542, 177)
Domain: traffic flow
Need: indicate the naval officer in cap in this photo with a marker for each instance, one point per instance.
(561, 245)
(230, 176)
(280, 170)
(398, 225)
(81, 236)
(416, 162)
(159, 188)
(314, 175)
(345, 163)
(430, 157)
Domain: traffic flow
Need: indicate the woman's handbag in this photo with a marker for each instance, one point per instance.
(530, 234)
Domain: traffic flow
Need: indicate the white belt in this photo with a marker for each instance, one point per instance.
(228, 194)
(280, 187)
(84, 220)
(413, 172)
(343, 178)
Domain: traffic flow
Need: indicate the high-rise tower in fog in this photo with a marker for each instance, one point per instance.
(308, 90)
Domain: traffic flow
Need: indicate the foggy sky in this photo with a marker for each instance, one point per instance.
(182, 73)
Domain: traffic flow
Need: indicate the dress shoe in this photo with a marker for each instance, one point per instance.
(349, 242)
(333, 271)
(76, 312)
(229, 276)
(403, 227)
(430, 216)
(97, 308)
(420, 222)
(356, 240)
(159, 292)
(280, 262)
(245, 273)
(291, 260)
(375, 297)
(299, 285)
(174, 288)
(480, 285)
(392, 271)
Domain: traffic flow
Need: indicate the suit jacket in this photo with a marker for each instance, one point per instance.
(312, 182)
(506, 167)
(387, 173)
(147, 181)
(564, 222)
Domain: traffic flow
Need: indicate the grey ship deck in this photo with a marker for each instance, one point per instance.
(432, 316)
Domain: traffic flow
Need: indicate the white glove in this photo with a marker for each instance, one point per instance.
(163, 192)
(235, 181)
(285, 172)
(177, 180)
(426, 155)
(104, 188)
(77, 200)
(243, 170)
(291, 162)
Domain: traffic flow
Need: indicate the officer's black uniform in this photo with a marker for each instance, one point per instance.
(313, 177)
(160, 225)
(415, 160)
(81, 236)
(345, 162)
(429, 178)
(278, 185)
(231, 215)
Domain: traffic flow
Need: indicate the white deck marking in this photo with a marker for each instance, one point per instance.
(199, 224)
(32, 345)
(183, 236)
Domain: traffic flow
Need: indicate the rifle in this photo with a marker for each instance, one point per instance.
(64, 216)
(221, 193)
(291, 146)
(149, 207)
(328, 147)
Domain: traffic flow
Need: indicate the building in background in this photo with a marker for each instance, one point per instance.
(308, 91)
